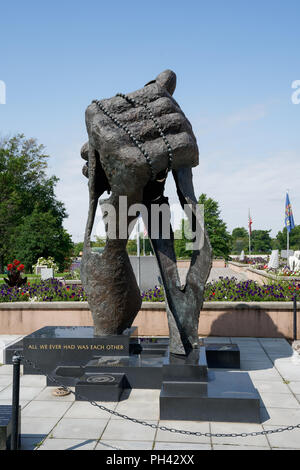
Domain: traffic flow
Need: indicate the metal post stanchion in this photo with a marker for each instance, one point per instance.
(295, 317)
(16, 360)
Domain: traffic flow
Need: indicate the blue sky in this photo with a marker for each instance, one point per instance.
(235, 62)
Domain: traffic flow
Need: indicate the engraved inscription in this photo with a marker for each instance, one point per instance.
(77, 347)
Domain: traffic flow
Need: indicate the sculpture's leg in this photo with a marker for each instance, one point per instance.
(108, 278)
(166, 259)
(201, 261)
(183, 303)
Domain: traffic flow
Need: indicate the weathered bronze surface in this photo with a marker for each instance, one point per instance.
(128, 154)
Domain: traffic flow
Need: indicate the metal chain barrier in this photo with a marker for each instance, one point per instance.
(157, 426)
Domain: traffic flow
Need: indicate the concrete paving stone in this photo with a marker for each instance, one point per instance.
(8, 401)
(123, 430)
(256, 365)
(6, 369)
(244, 339)
(286, 439)
(280, 416)
(26, 393)
(265, 374)
(46, 395)
(289, 372)
(273, 341)
(83, 409)
(30, 443)
(274, 357)
(138, 410)
(272, 387)
(33, 381)
(247, 350)
(294, 386)
(279, 350)
(254, 356)
(124, 445)
(194, 426)
(46, 409)
(230, 447)
(217, 339)
(68, 444)
(9, 339)
(181, 446)
(141, 395)
(30, 426)
(5, 380)
(228, 428)
(72, 428)
(279, 400)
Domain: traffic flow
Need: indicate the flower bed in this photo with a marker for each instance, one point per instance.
(43, 291)
(225, 289)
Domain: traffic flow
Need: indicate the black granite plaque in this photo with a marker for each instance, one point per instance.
(54, 345)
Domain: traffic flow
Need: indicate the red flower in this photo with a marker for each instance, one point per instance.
(22, 293)
(21, 267)
(9, 267)
(213, 293)
(16, 262)
(28, 283)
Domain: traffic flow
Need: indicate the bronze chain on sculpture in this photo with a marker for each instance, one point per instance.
(136, 141)
(163, 428)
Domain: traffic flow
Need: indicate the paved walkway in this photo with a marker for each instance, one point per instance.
(49, 422)
(215, 274)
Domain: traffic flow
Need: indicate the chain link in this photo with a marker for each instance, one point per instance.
(136, 141)
(157, 426)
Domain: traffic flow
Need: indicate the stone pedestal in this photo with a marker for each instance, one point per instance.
(192, 392)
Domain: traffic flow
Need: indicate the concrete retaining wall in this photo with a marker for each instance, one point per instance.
(260, 319)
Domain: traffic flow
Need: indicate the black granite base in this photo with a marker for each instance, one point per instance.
(100, 387)
(192, 392)
(101, 367)
(223, 356)
(227, 397)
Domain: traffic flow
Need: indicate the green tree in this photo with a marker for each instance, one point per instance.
(24, 186)
(239, 240)
(182, 240)
(294, 238)
(220, 238)
(78, 248)
(261, 242)
(41, 234)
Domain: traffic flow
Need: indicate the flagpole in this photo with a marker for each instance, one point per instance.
(138, 252)
(287, 238)
(249, 230)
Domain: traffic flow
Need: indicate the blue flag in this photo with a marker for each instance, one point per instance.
(289, 219)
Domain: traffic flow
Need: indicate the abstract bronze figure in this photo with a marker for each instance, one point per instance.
(133, 141)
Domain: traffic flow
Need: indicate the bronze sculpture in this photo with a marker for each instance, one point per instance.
(134, 140)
